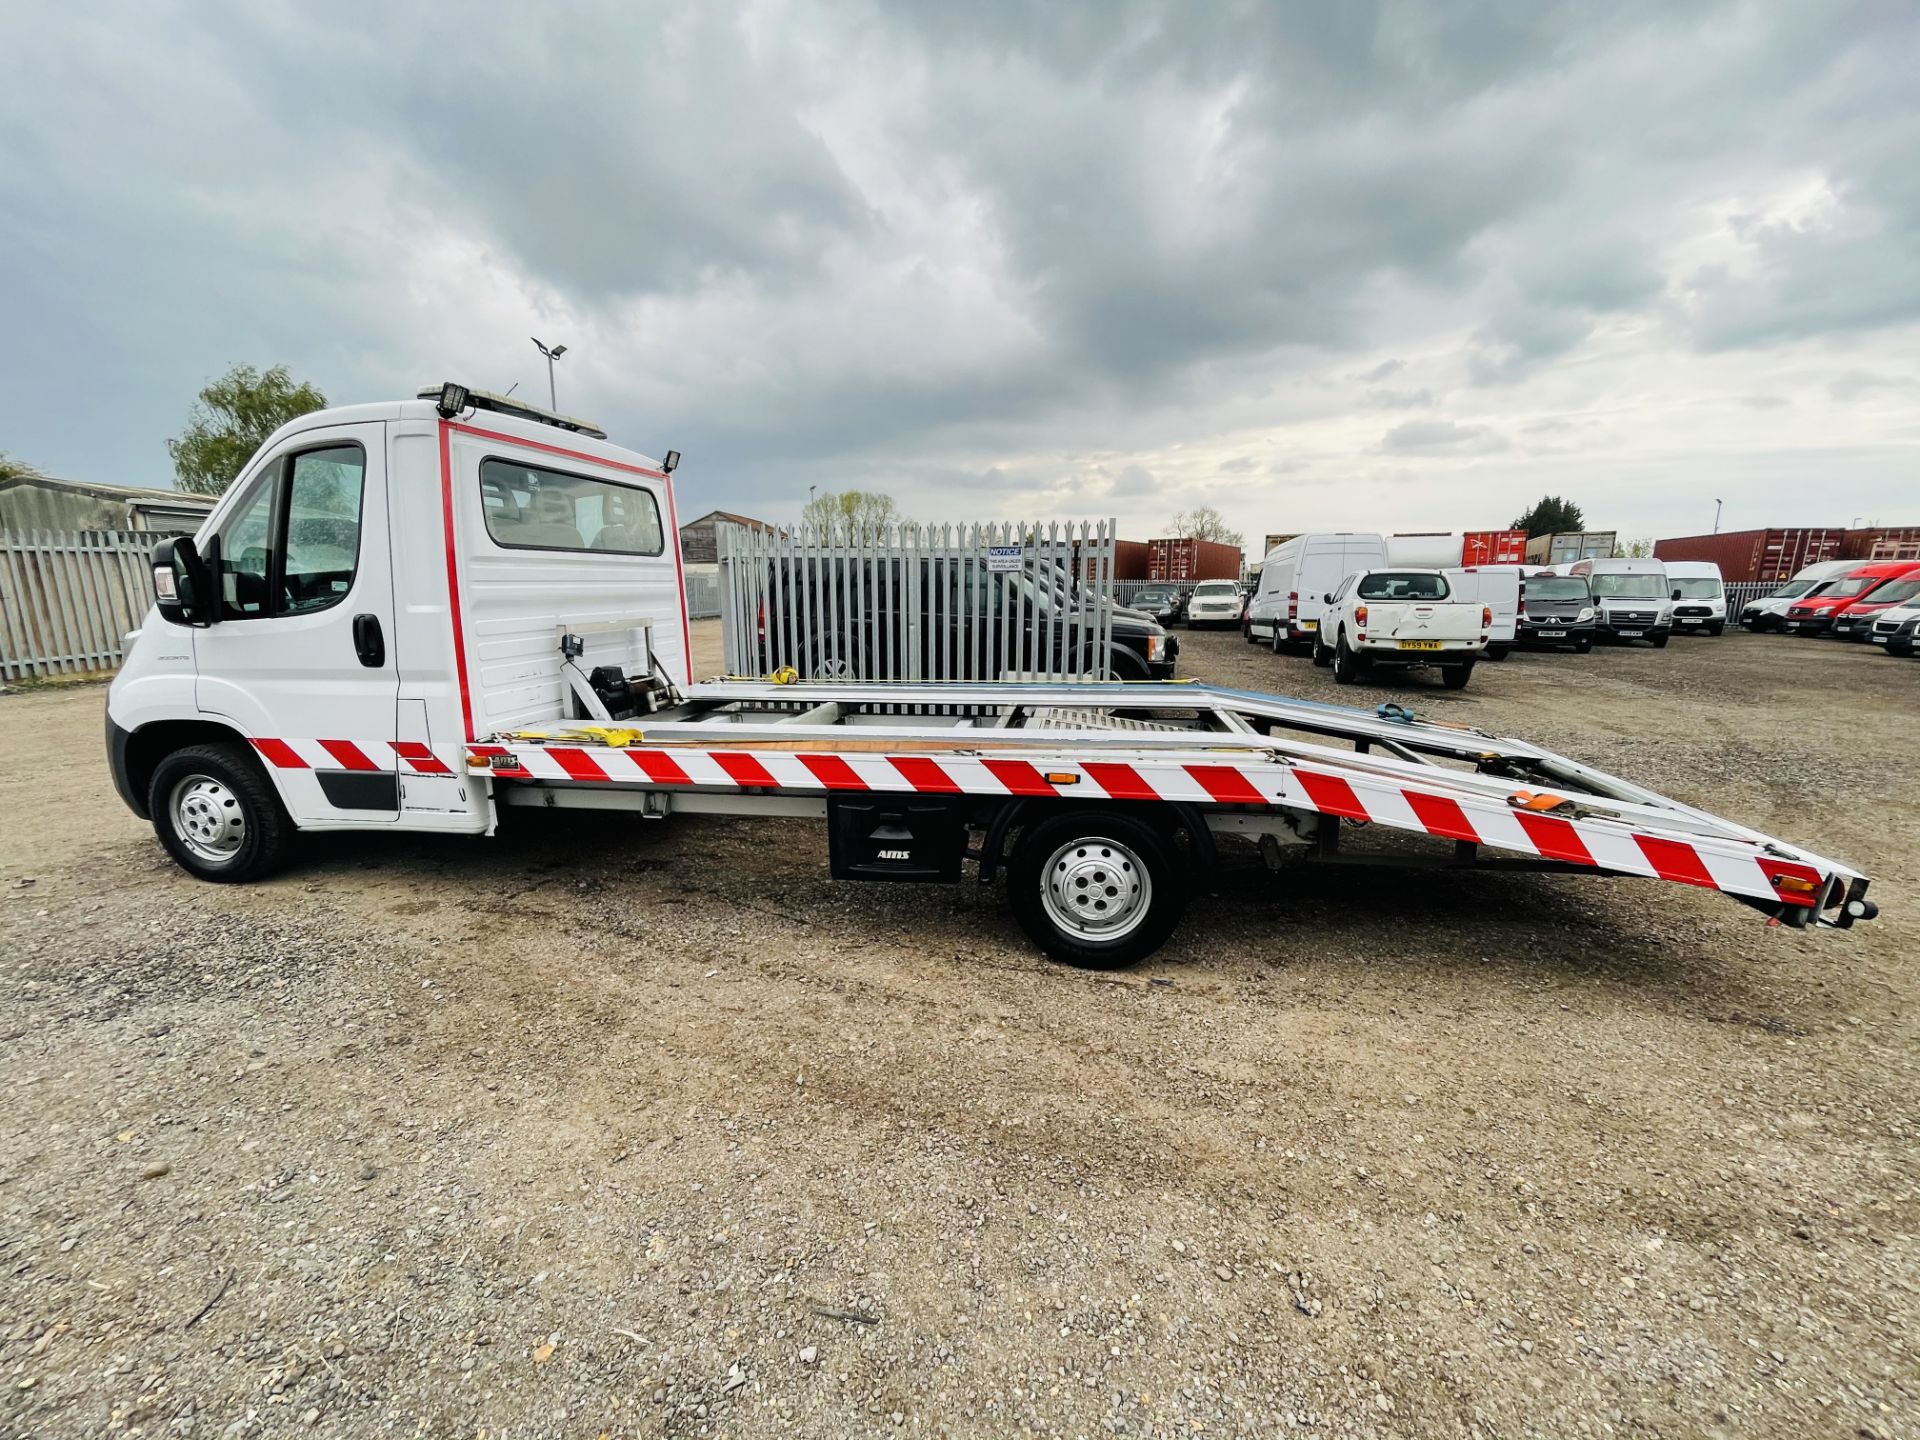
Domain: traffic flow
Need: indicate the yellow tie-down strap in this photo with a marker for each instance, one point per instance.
(614, 736)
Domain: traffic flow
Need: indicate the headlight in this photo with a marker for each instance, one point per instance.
(1584, 616)
(1156, 647)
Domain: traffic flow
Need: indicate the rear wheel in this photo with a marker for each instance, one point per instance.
(217, 814)
(1346, 664)
(1279, 640)
(1455, 677)
(1096, 889)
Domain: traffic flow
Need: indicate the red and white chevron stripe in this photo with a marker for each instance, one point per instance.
(1728, 863)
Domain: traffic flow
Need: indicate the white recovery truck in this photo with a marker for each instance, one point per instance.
(416, 616)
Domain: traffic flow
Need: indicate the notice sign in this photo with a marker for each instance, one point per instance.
(1004, 559)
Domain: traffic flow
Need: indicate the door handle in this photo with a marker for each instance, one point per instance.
(368, 640)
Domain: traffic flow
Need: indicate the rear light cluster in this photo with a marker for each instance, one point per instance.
(1293, 604)
(1486, 617)
(1360, 615)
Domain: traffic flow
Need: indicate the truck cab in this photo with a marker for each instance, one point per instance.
(1632, 598)
(310, 626)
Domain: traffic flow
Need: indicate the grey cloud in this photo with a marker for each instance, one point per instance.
(1399, 399)
(1440, 437)
(1134, 480)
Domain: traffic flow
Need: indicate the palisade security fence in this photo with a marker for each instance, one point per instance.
(911, 602)
(1742, 593)
(67, 599)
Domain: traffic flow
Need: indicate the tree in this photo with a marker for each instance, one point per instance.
(1637, 550)
(1550, 516)
(860, 509)
(12, 469)
(1204, 523)
(232, 418)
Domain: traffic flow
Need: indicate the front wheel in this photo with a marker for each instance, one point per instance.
(1583, 647)
(1718, 628)
(1321, 656)
(1660, 641)
(1096, 889)
(217, 814)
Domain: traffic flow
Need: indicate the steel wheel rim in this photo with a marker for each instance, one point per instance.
(208, 818)
(1096, 889)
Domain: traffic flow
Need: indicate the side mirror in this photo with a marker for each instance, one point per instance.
(182, 590)
(1327, 599)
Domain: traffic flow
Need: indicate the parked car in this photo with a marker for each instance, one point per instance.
(1632, 599)
(1214, 603)
(1556, 610)
(1699, 595)
(1855, 621)
(1896, 630)
(1815, 614)
(1297, 573)
(1163, 603)
(1036, 617)
(1400, 619)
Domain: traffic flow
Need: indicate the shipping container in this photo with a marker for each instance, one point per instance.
(1494, 547)
(1130, 558)
(1425, 549)
(1882, 544)
(1763, 556)
(1188, 560)
(1570, 545)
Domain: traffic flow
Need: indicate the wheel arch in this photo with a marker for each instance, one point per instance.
(147, 746)
(1173, 816)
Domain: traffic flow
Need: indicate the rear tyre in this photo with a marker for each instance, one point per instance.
(1279, 642)
(1498, 652)
(218, 815)
(1346, 664)
(1455, 677)
(1096, 889)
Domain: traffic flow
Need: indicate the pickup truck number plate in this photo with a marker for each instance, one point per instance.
(1419, 644)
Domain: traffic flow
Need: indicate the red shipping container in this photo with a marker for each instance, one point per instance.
(1130, 560)
(1188, 560)
(1494, 547)
(1769, 556)
(1880, 544)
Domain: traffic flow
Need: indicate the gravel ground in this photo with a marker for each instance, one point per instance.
(632, 1130)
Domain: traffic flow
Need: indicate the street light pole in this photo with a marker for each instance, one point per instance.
(1716, 517)
(552, 355)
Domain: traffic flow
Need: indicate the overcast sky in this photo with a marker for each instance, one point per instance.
(1322, 265)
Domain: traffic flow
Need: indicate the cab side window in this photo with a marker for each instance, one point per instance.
(293, 546)
(244, 542)
(323, 527)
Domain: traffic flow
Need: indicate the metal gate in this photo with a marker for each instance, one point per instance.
(67, 599)
(910, 602)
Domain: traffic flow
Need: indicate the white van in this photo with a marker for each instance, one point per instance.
(1633, 598)
(1769, 611)
(1702, 606)
(1296, 574)
(1498, 588)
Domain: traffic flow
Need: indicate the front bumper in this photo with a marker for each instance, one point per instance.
(1552, 632)
(1807, 624)
(118, 741)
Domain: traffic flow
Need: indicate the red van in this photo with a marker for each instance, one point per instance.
(1816, 614)
(1856, 620)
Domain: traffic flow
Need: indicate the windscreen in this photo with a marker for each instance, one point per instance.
(1403, 585)
(1853, 585)
(1699, 589)
(1559, 587)
(1792, 590)
(1895, 591)
(1630, 587)
(1216, 588)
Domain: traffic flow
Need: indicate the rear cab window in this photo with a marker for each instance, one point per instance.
(530, 507)
(1403, 585)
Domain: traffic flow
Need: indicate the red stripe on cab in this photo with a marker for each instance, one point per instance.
(279, 753)
(350, 755)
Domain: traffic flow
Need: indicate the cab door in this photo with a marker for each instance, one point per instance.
(302, 657)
